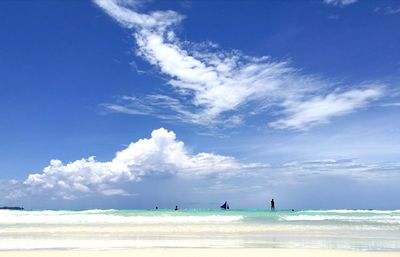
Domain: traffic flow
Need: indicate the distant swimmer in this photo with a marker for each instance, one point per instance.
(176, 208)
(272, 205)
(156, 207)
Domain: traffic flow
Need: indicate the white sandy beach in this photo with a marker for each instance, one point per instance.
(196, 252)
(199, 232)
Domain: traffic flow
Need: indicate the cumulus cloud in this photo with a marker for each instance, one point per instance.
(210, 86)
(161, 154)
(340, 2)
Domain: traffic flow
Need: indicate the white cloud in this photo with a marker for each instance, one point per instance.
(388, 10)
(346, 168)
(396, 104)
(283, 175)
(321, 109)
(340, 2)
(114, 191)
(211, 86)
(160, 154)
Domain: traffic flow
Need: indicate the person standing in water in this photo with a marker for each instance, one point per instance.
(272, 205)
(176, 208)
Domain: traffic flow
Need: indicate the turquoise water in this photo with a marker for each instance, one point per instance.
(366, 230)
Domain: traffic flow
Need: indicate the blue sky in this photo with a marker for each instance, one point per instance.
(295, 100)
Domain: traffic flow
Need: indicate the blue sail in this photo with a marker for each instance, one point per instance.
(225, 206)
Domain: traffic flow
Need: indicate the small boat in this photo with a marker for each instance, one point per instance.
(11, 208)
(225, 206)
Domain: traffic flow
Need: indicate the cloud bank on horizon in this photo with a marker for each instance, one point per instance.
(163, 156)
(160, 155)
(218, 88)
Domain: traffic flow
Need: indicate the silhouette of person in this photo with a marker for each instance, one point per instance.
(156, 207)
(176, 208)
(272, 205)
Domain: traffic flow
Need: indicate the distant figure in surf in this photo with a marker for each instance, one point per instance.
(176, 208)
(156, 207)
(272, 205)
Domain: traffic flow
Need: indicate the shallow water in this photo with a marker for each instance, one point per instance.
(373, 230)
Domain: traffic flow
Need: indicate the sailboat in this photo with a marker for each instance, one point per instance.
(225, 206)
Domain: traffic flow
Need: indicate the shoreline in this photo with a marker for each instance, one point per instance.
(197, 252)
(133, 230)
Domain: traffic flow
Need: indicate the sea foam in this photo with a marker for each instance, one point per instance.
(106, 217)
(98, 229)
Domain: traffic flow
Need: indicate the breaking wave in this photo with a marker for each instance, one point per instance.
(106, 217)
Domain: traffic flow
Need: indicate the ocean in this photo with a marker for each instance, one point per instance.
(369, 230)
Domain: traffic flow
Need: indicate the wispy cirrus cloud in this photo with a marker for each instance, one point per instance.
(342, 168)
(167, 108)
(340, 2)
(321, 109)
(388, 10)
(213, 87)
(393, 104)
